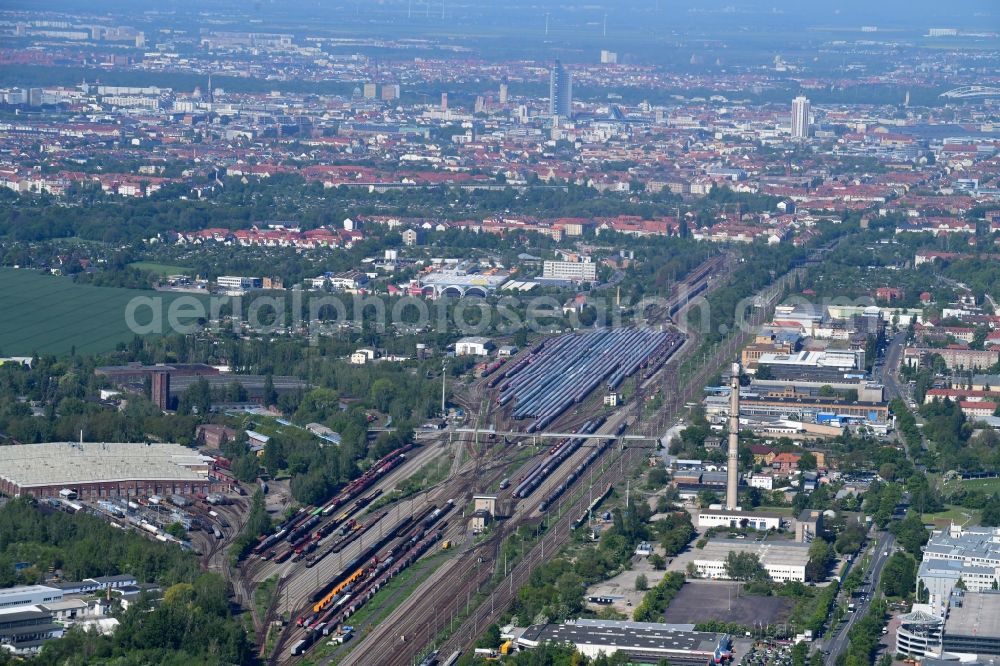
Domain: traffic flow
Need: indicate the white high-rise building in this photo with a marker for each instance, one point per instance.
(800, 117)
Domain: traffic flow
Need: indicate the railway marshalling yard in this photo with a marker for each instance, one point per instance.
(445, 599)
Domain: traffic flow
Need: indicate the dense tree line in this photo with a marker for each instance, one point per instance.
(63, 391)
(555, 590)
(899, 576)
(675, 532)
(865, 636)
(655, 602)
(82, 546)
(881, 500)
(192, 625)
(258, 523)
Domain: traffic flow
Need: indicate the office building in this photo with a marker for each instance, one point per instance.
(390, 91)
(608, 57)
(735, 519)
(236, 283)
(800, 117)
(970, 554)
(577, 271)
(972, 626)
(28, 595)
(560, 91)
(371, 90)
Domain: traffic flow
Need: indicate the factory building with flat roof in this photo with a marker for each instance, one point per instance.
(641, 641)
(28, 595)
(783, 560)
(96, 470)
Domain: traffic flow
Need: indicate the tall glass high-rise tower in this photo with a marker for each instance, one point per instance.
(560, 91)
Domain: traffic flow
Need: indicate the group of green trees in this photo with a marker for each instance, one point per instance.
(556, 588)
(193, 623)
(865, 637)
(60, 390)
(675, 532)
(881, 501)
(658, 598)
(821, 557)
(855, 271)
(82, 546)
(745, 567)
(899, 575)
(258, 523)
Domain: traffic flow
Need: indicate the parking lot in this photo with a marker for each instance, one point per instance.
(766, 653)
(701, 601)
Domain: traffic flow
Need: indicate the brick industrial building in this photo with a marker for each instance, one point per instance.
(167, 383)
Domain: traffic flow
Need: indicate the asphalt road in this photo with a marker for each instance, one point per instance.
(890, 363)
(837, 642)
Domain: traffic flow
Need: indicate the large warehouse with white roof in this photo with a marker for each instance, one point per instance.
(104, 469)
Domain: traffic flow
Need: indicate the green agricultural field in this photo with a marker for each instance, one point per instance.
(46, 314)
(161, 269)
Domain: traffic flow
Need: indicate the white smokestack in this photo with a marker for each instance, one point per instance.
(734, 439)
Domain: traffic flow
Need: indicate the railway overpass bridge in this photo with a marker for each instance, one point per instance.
(556, 435)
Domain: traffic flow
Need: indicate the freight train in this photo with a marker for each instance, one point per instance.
(578, 471)
(364, 577)
(555, 457)
(293, 529)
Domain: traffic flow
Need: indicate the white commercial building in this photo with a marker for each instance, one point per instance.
(472, 346)
(970, 554)
(844, 360)
(29, 595)
(708, 518)
(577, 271)
(800, 117)
(783, 560)
(235, 282)
(643, 642)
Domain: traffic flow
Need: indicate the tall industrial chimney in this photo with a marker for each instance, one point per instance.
(734, 439)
